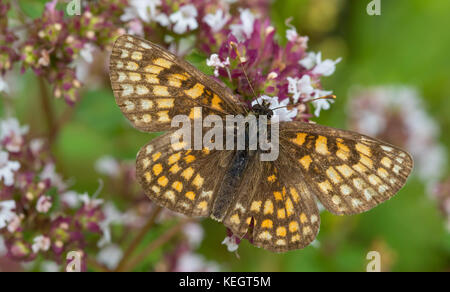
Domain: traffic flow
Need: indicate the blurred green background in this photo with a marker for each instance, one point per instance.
(407, 44)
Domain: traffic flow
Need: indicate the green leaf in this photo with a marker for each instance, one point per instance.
(53, 193)
(33, 9)
(199, 61)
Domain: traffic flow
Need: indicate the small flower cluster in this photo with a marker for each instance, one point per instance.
(250, 60)
(397, 115)
(60, 48)
(53, 44)
(39, 217)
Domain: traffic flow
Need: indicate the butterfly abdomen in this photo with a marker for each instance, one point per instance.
(228, 189)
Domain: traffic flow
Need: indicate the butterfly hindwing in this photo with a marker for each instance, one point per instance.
(349, 173)
(273, 209)
(184, 181)
(151, 86)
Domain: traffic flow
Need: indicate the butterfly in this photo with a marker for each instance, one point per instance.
(274, 203)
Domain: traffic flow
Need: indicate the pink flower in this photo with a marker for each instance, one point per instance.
(15, 223)
(41, 243)
(44, 204)
(214, 61)
(11, 134)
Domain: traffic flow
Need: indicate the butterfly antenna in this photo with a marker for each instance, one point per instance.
(233, 44)
(331, 96)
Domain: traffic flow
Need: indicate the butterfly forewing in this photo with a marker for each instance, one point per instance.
(349, 173)
(151, 86)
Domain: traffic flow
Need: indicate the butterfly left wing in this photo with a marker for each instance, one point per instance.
(349, 173)
(152, 85)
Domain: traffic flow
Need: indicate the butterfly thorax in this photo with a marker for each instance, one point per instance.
(262, 110)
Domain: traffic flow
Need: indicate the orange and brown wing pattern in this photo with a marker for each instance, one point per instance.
(184, 181)
(349, 173)
(151, 86)
(274, 210)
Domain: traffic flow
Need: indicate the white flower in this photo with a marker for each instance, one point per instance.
(74, 200)
(279, 108)
(309, 61)
(231, 243)
(293, 36)
(44, 204)
(194, 233)
(71, 198)
(7, 169)
(112, 215)
(110, 256)
(321, 104)
(6, 212)
(216, 21)
(86, 52)
(300, 87)
(107, 165)
(3, 85)
(214, 61)
(12, 133)
(89, 202)
(184, 19)
(244, 30)
(49, 173)
(40, 243)
(190, 262)
(36, 146)
(304, 88)
(135, 27)
(83, 62)
(324, 68)
(162, 19)
(285, 114)
(146, 10)
(430, 162)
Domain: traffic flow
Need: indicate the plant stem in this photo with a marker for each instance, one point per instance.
(48, 109)
(135, 243)
(157, 243)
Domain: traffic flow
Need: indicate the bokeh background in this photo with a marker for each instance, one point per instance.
(406, 46)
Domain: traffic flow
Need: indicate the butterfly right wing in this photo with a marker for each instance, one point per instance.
(151, 86)
(350, 173)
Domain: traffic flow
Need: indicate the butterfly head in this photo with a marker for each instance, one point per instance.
(262, 109)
